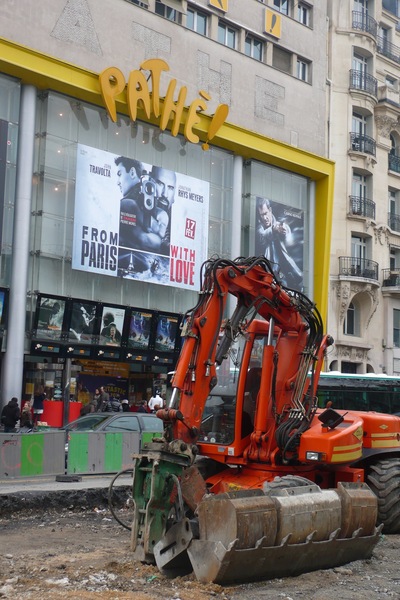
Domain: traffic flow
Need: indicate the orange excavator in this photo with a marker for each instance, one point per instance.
(251, 479)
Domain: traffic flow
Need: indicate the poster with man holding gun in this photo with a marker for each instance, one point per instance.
(156, 230)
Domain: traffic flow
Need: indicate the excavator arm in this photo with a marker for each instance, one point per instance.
(294, 323)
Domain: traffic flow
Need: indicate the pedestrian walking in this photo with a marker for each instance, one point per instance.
(156, 402)
(116, 404)
(104, 401)
(125, 405)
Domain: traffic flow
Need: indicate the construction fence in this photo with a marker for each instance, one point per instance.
(51, 453)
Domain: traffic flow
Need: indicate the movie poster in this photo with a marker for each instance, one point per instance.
(167, 329)
(83, 322)
(112, 323)
(50, 318)
(279, 236)
(138, 221)
(139, 330)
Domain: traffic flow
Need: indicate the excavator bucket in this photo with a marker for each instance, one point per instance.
(257, 536)
(248, 534)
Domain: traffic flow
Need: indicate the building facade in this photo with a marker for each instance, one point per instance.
(364, 110)
(227, 104)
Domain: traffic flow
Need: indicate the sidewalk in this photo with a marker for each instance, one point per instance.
(44, 492)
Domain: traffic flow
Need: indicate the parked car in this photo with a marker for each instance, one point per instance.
(113, 422)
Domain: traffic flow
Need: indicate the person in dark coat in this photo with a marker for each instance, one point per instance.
(38, 407)
(10, 416)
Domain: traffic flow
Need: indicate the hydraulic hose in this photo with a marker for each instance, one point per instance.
(110, 505)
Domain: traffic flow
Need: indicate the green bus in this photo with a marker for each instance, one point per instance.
(371, 391)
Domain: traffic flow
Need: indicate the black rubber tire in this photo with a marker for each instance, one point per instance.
(287, 481)
(384, 480)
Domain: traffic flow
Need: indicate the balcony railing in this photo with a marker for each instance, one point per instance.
(394, 222)
(391, 277)
(363, 22)
(362, 207)
(364, 82)
(394, 163)
(387, 49)
(358, 267)
(362, 143)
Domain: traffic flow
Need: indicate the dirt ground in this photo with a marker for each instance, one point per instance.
(83, 555)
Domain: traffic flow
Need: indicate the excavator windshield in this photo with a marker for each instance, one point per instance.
(219, 416)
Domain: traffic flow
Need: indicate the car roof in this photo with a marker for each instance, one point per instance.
(102, 416)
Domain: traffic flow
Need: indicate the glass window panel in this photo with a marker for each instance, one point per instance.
(59, 157)
(257, 49)
(396, 328)
(231, 38)
(61, 120)
(201, 24)
(221, 33)
(219, 239)
(285, 190)
(12, 143)
(190, 18)
(9, 99)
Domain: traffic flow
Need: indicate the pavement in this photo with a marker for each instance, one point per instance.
(75, 491)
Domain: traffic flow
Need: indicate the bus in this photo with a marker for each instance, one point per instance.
(371, 391)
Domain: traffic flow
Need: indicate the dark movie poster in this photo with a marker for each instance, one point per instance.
(167, 329)
(112, 323)
(279, 236)
(139, 330)
(82, 323)
(50, 318)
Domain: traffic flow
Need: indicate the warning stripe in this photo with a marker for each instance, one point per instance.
(347, 453)
(392, 443)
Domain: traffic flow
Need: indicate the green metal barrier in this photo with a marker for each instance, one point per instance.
(104, 452)
(28, 454)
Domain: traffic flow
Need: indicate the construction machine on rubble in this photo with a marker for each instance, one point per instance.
(252, 480)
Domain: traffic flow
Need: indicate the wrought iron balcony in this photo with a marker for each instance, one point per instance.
(387, 49)
(394, 222)
(391, 278)
(363, 22)
(358, 267)
(364, 82)
(362, 143)
(362, 207)
(394, 163)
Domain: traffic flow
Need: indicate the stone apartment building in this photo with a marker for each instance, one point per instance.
(363, 140)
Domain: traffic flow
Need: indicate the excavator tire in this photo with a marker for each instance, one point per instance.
(384, 480)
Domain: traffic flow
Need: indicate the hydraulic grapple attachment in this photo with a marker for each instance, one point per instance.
(249, 534)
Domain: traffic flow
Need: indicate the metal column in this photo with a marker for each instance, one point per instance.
(13, 363)
(236, 231)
